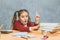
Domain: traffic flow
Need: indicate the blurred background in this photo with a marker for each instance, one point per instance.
(49, 10)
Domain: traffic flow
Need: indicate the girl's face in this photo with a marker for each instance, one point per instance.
(24, 18)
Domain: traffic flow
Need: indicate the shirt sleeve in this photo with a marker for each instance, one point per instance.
(32, 24)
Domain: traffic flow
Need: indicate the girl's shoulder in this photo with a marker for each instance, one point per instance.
(17, 21)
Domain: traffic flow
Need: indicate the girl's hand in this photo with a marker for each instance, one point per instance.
(37, 18)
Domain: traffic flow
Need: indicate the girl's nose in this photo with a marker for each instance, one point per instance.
(25, 18)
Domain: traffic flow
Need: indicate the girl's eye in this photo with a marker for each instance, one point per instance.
(26, 16)
(22, 16)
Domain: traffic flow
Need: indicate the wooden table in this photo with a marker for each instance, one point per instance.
(55, 36)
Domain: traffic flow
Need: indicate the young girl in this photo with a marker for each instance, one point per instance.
(23, 23)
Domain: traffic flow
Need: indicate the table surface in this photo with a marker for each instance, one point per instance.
(38, 35)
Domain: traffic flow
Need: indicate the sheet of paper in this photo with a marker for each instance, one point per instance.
(21, 34)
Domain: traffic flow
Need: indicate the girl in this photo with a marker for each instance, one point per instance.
(23, 23)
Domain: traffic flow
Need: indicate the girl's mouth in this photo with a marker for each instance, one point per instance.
(25, 20)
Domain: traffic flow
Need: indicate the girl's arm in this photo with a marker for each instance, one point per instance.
(37, 18)
(33, 26)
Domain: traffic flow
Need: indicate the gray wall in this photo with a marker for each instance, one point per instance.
(49, 10)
